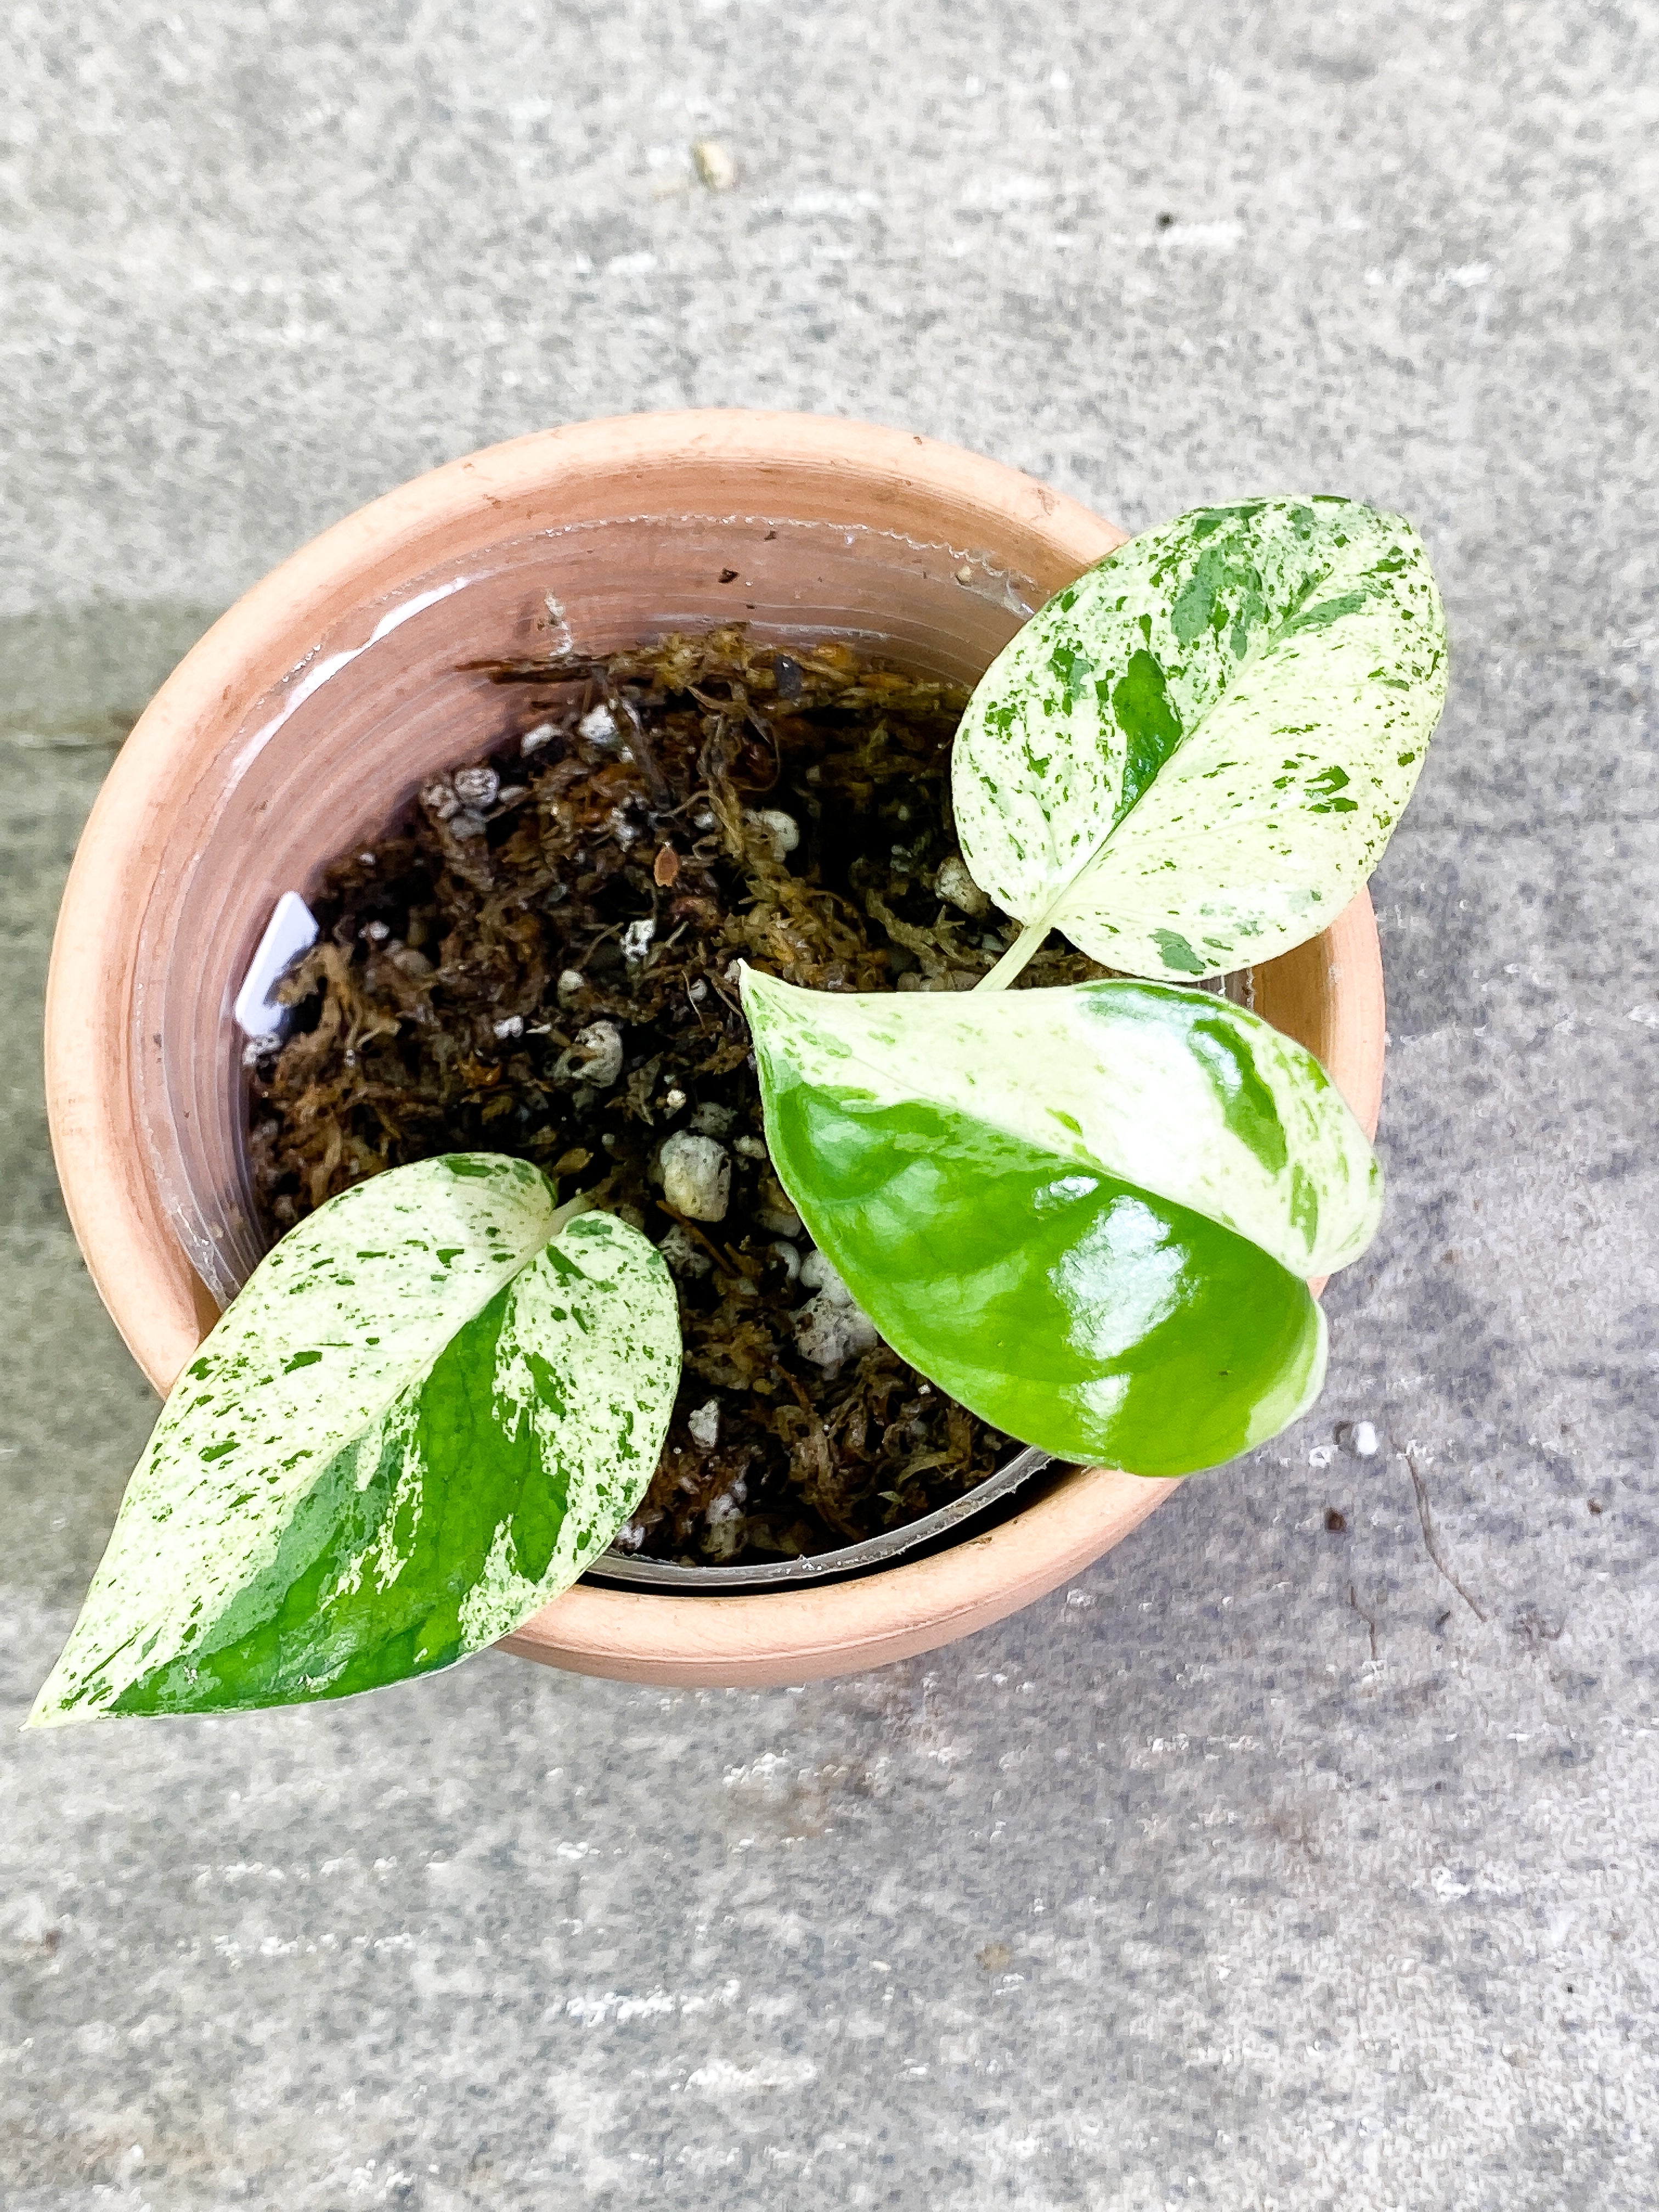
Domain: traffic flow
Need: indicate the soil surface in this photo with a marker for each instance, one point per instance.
(540, 961)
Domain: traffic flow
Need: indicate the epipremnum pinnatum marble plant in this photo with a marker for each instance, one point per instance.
(1090, 1214)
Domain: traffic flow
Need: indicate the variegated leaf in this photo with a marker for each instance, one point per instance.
(434, 1403)
(1192, 757)
(1086, 1213)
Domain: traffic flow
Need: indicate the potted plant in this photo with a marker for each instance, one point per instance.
(260, 755)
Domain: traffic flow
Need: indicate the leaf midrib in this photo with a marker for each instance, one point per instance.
(1249, 660)
(1048, 916)
(558, 1219)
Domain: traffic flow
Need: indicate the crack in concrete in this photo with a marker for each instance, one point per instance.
(1353, 1600)
(1432, 1541)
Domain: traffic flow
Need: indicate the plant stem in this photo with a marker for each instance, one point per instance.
(1014, 961)
(1026, 946)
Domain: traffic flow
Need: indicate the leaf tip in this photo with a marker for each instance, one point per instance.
(47, 1712)
(755, 986)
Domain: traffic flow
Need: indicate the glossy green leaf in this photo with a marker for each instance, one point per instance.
(1192, 757)
(1088, 1213)
(434, 1403)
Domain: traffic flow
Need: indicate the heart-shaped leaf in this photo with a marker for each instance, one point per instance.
(1192, 756)
(434, 1403)
(1086, 1213)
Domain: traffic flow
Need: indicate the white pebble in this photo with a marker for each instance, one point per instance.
(464, 822)
(782, 831)
(697, 1175)
(828, 1330)
(477, 787)
(790, 1257)
(598, 725)
(596, 1057)
(572, 984)
(712, 1121)
(715, 163)
(681, 1249)
(955, 884)
(1364, 1440)
(722, 1524)
(705, 1424)
(376, 932)
(776, 1210)
(818, 1274)
(636, 939)
(675, 1099)
(511, 1026)
(750, 1147)
(440, 800)
(622, 829)
(533, 740)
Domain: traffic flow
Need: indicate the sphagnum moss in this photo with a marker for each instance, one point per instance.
(540, 961)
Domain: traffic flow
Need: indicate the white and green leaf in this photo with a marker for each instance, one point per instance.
(432, 1405)
(1192, 757)
(1088, 1214)
(1177, 1092)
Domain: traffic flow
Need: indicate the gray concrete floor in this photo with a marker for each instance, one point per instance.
(1269, 1866)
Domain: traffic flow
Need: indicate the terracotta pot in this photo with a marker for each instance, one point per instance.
(311, 710)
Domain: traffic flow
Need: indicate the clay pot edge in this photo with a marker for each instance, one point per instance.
(857, 472)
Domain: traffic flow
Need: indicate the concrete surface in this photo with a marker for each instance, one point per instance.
(1272, 1866)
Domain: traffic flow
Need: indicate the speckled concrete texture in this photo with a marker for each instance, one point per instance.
(1303, 1852)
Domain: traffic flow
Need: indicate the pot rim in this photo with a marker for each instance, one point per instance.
(705, 461)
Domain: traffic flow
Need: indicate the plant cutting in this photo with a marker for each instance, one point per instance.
(1288, 667)
(1092, 1214)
